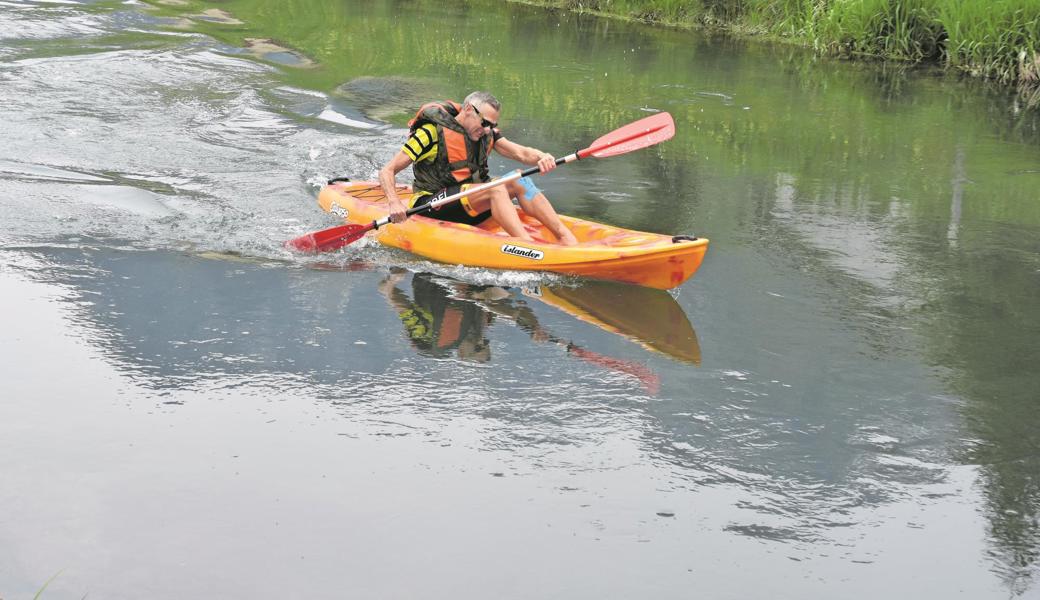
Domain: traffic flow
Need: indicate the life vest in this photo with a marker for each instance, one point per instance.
(437, 324)
(459, 159)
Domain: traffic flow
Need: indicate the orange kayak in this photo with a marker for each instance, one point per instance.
(603, 251)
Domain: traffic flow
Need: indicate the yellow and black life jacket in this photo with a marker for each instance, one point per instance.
(459, 159)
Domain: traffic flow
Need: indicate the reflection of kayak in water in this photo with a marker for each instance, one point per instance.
(603, 252)
(445, 318)
(651, 318)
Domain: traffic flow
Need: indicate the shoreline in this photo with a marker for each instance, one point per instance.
(854, 32)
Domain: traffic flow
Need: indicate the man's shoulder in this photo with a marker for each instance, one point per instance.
(421, 143)
(425, 133)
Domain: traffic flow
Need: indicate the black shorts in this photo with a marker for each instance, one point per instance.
(459, 211)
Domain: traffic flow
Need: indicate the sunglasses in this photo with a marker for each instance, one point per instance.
(483, 122)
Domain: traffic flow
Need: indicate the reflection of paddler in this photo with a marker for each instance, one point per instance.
(649, 317)
(444, 314)
(436, 323)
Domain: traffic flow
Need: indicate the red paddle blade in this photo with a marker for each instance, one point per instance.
(328, 239)
(634, 136)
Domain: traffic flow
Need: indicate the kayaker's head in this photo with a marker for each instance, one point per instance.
(479, 114)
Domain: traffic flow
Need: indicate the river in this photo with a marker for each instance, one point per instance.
(842, 402)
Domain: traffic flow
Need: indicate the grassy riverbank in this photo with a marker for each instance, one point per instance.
(998, 39)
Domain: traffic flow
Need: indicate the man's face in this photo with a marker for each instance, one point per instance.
(479, 119)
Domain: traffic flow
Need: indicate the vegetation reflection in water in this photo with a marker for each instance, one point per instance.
(912, 195)
(882, 130)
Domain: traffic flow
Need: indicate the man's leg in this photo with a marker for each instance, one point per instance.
(502, 210)
(534, 203)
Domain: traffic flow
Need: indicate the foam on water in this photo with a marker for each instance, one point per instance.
(172, 147)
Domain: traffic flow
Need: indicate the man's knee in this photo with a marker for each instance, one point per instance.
(527, 189)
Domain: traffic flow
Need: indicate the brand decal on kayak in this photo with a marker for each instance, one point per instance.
(524, 252)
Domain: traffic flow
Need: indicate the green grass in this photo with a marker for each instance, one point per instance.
(997, 39)
(894, 29)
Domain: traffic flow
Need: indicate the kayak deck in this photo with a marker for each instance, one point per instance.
(603, 251)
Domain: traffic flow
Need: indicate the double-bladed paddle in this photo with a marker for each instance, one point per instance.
(634, 136)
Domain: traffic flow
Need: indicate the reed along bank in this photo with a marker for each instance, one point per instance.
(996, 39)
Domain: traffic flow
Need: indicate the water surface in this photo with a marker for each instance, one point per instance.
(841, 403)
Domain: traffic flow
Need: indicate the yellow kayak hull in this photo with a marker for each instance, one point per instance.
(603, 251)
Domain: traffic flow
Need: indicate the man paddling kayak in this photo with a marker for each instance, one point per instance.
(448, 150)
